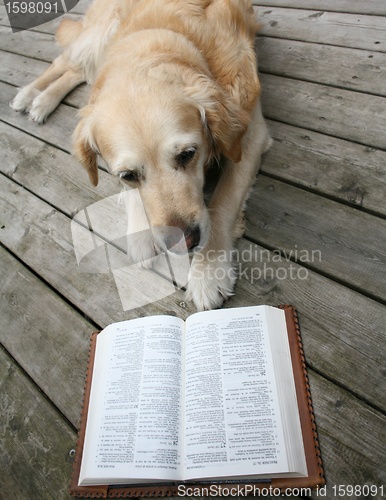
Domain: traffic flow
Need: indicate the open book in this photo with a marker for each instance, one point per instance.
(223, 396)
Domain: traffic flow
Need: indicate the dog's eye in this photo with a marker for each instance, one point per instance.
(185, 156)
(129, 176)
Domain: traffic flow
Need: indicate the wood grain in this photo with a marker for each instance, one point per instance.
(352, 69)
(50, 173)
(329, 28)
(284, 217)
(51, 343)
(342, 423)
(337, 112)
(376, 7)
(40, 46)
(338, 168)
(36, 442)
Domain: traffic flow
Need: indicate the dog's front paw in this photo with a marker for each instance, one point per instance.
(211, 282)
(42, 106)
(23, 99)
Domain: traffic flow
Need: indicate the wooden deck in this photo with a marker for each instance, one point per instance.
(322, 188)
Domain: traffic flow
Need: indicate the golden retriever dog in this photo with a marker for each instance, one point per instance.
(174, 89)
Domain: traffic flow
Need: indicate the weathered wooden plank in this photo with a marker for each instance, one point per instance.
(352, 438)
(353, 69)
(45, 335)
(342, 113)
(337, 168)
(51, 174)
(4, 21)
(351, 243)
(19, 70)
(35, 440)
(29, 43)
(329, 28)
(376, 7)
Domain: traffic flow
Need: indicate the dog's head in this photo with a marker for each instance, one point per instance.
(158, 132)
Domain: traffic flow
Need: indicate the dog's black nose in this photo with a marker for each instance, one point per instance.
(179, 239)
(173, 238)
(192, 237)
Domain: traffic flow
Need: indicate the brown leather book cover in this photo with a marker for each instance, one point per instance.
(315, 476)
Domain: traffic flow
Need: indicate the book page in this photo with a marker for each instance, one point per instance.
(232, 414)
(133, 426)
(286, 391)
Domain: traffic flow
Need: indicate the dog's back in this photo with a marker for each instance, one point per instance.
(223, 30)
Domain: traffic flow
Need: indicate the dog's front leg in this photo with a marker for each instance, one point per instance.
(45, 93)
(213, 276)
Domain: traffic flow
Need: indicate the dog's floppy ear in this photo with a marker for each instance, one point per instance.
(226, 133)
(83, 149)
(226, 122)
